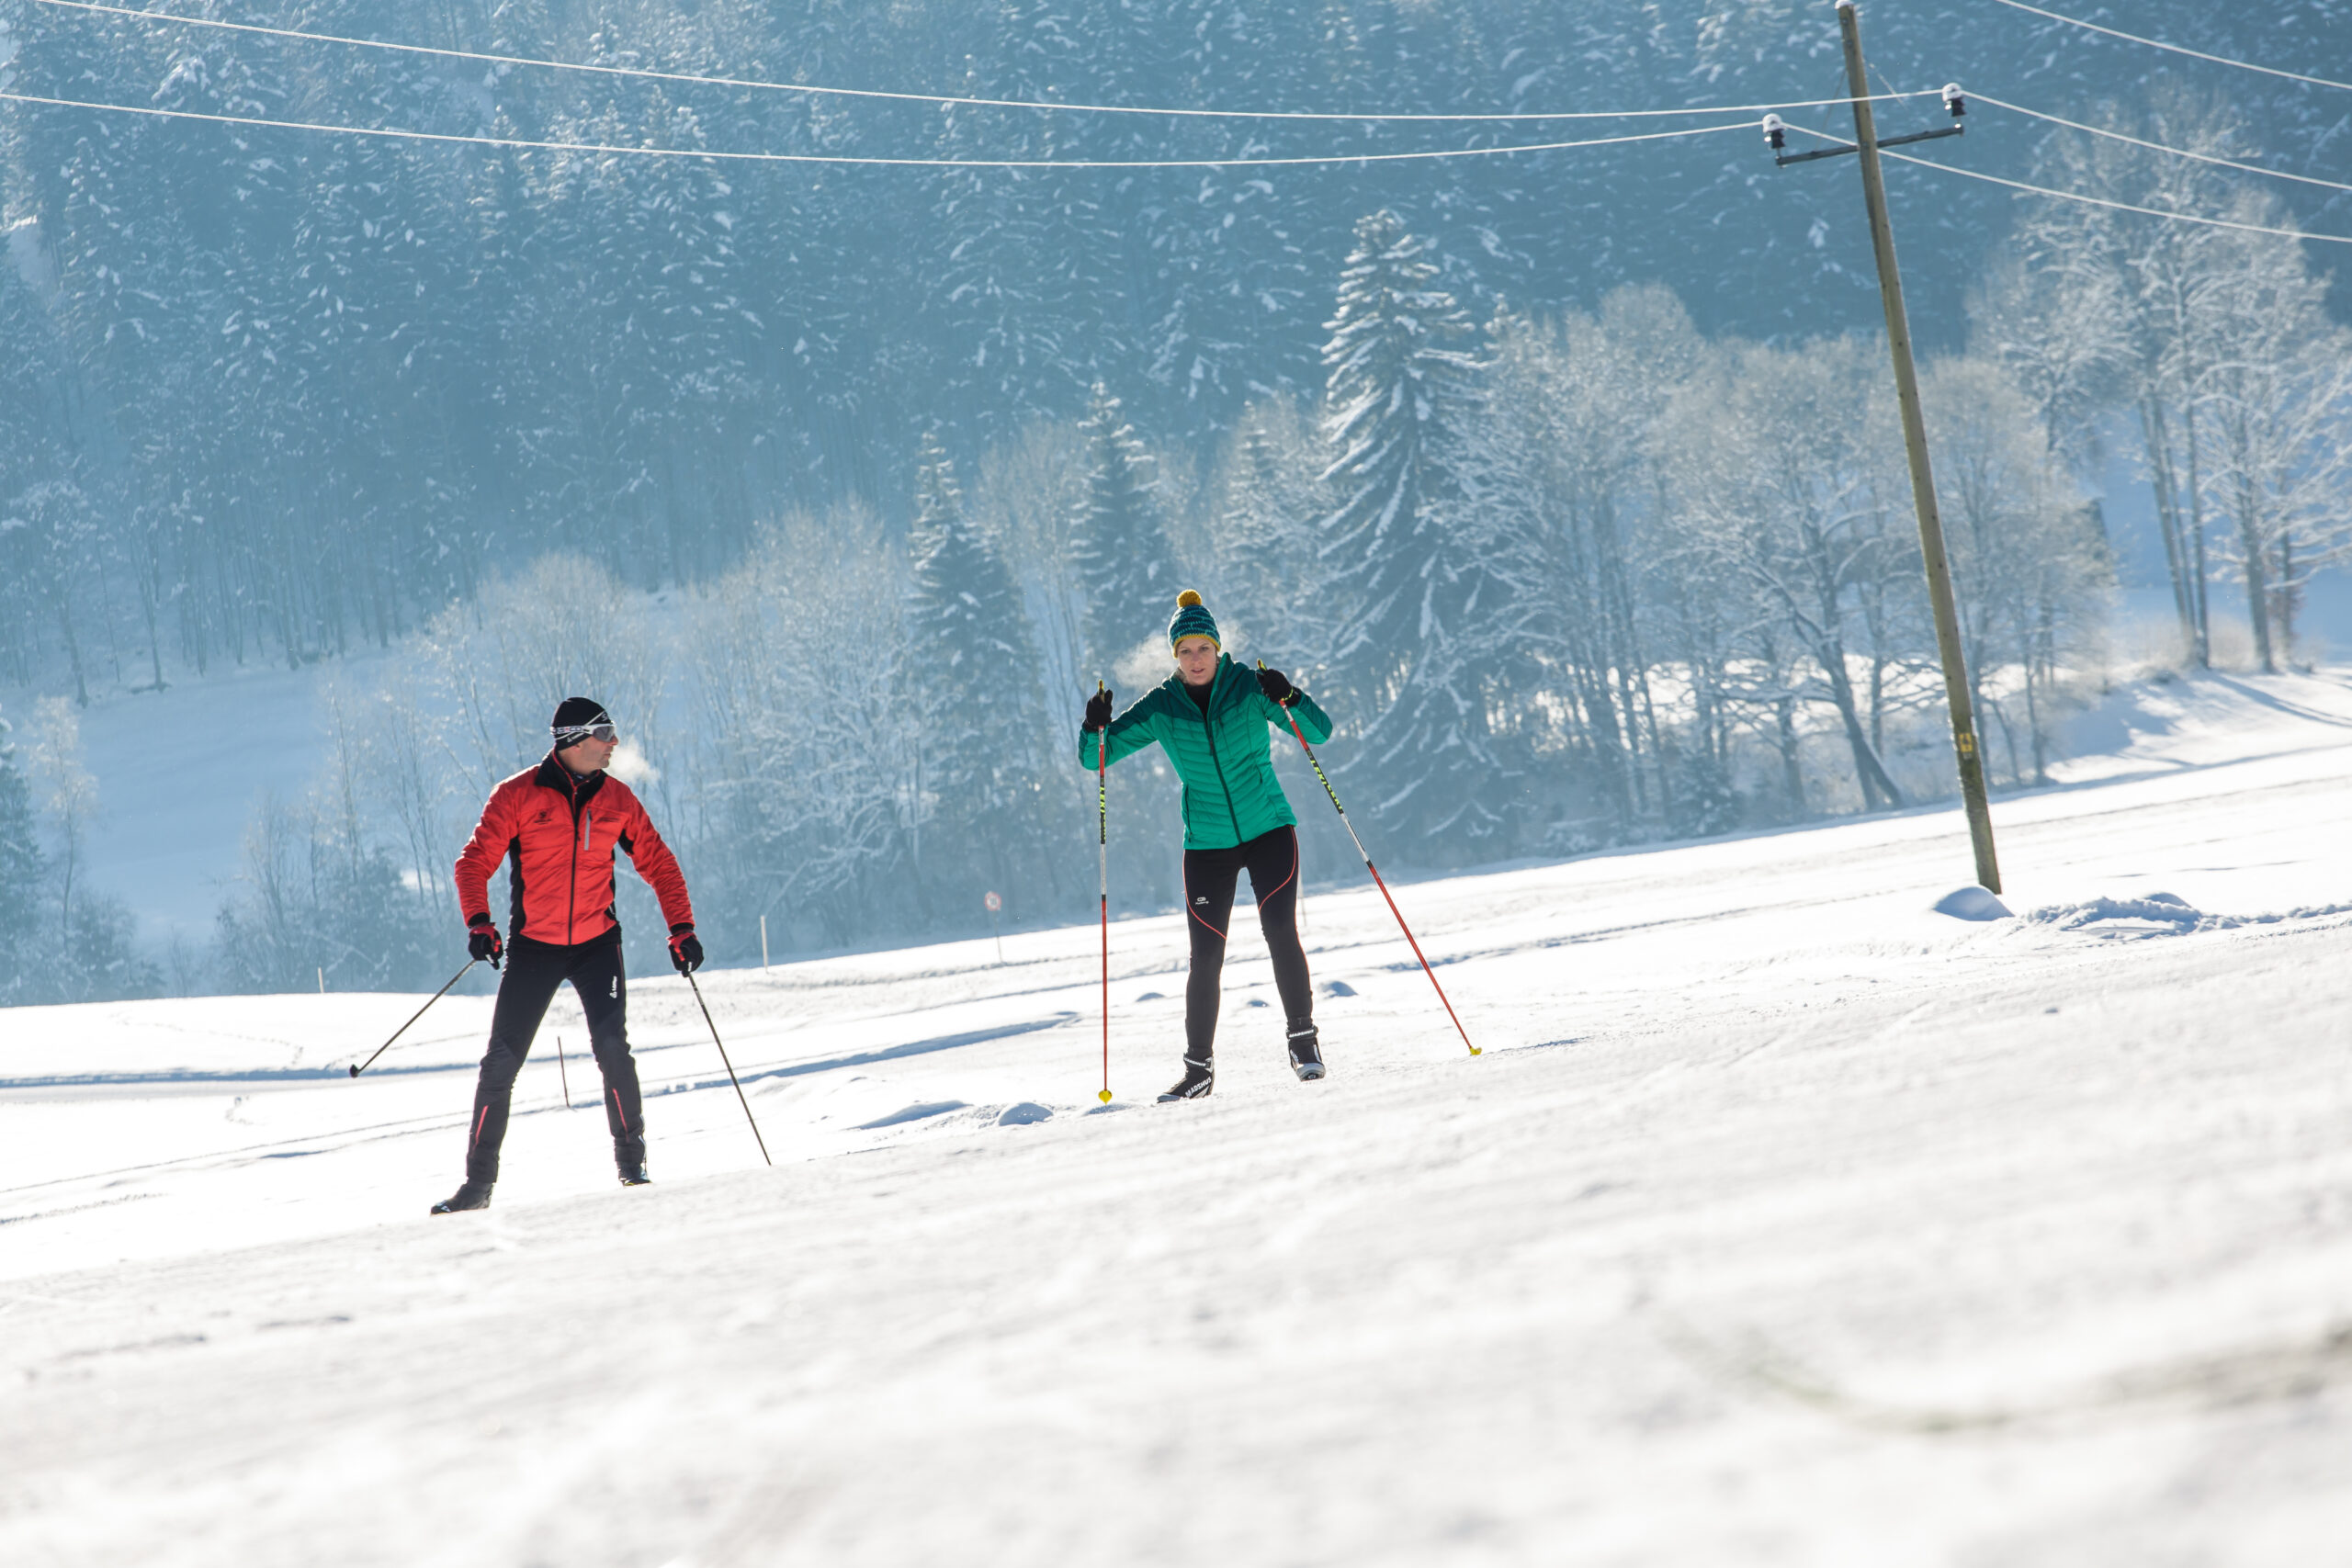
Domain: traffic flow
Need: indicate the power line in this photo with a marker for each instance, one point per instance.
(640, 74)
(521, 143)
(2120, 205)
(2172, 49)
(2160, 147)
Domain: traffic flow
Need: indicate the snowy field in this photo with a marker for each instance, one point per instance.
(1783, 1219)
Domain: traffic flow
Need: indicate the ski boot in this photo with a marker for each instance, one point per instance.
(473, 1195)
(1305, 1054)
(633, 1174)
(1200, 1076)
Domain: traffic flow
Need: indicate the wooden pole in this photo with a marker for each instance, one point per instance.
(1922, 482)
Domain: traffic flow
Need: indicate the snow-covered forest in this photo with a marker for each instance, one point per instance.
(1570, 481)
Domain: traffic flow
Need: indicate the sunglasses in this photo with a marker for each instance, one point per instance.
(573, 737)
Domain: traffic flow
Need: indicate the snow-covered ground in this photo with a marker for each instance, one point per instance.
(1782, 1220)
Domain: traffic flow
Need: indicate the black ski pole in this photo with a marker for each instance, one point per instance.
(412, 1018)
(714, 1040)
(1376, 873)
(563, 1072)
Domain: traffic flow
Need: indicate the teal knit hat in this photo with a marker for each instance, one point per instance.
(1192, 619)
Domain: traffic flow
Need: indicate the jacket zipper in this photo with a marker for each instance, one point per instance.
(1215, 761)
(571, 898)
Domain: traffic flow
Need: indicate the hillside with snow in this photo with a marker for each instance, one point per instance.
(1783, 1219)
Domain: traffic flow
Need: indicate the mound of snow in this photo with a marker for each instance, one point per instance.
(1971, 903)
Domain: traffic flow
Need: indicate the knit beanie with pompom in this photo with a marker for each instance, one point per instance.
(1192, 619)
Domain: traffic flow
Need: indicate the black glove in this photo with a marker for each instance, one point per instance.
(1097, 711)
(686, 949)
(482, 941)
(1277, 687)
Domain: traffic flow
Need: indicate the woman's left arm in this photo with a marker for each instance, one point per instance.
(1292, 703)
(1313, 722)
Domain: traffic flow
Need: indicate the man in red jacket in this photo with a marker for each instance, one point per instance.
(556, 826)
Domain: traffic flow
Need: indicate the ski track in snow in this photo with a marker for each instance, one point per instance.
(1782, 1221)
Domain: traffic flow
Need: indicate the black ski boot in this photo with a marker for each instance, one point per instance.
(1305, 1054)
(1198, 1079)
(473, 1195)
(633, 1175)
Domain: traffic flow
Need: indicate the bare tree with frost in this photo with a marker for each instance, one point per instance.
(2029, 571)
(806, 767)
(1783, 461)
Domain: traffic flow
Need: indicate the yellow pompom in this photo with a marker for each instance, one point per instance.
(1187, 599)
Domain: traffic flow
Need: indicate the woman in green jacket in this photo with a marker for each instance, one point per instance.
(1210, 716)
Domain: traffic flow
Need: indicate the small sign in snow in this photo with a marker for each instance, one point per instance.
(992, 901)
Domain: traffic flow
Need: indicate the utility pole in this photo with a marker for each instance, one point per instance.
(1914, 427)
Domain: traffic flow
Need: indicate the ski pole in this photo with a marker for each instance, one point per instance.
(1375, 872)
(1103, 856)
(563, 1072)
(412, 1018)
(730, 1070)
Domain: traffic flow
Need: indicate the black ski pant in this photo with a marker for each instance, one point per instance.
(1271, 859)
(533, 970)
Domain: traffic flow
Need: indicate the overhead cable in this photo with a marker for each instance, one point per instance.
(945, 101)
(525, 144)
(2175, 49)
(2091, 200)
(2159, 146)
(2121, 206)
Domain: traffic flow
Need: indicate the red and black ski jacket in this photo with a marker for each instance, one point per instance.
(557, 832)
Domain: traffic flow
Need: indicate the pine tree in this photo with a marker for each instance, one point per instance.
(971, 679)
(1118, 542)
(1407, 650)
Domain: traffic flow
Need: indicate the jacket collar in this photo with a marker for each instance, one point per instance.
(1175, 684)
(552, 775)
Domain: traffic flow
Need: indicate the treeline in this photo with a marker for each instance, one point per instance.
(1563, 582)
(271, 395)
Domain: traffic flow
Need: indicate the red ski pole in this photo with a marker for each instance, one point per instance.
(1376, 873)
(1103, 856)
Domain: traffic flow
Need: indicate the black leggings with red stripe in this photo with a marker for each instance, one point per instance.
(533, 970)
(1271, 859)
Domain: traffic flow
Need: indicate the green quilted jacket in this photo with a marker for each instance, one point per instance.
(1230, 793)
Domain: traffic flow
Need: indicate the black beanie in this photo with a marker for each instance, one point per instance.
(577, 713)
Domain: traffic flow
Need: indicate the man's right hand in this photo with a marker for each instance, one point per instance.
(1097, 711)
(482, 941)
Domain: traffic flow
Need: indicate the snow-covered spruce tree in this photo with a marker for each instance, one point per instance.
(1117, 540)
(970, 679)
(1408, 654)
